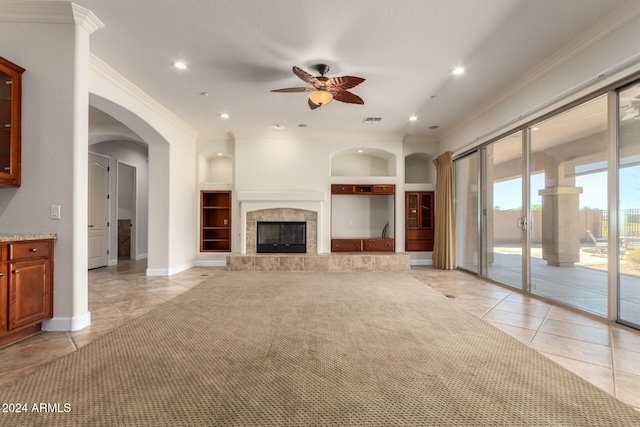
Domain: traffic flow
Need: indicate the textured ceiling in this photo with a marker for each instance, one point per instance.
(238, 50)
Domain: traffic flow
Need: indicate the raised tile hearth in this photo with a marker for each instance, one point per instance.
(319, 262)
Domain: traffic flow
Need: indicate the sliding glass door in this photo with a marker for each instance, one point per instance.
(502, 216)
(466, 209)
(533, 208)
(629, 205)
(568, 205)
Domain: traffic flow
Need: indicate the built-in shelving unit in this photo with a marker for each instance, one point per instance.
(362, 217)
(215, 221)
(419, 221)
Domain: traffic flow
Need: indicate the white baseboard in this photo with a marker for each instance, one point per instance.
(421, 262)
(60, 324)
(211, 263)
(169, 271)
(140, 256)
(113, 262)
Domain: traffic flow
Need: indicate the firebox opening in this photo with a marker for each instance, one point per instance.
(281, 237)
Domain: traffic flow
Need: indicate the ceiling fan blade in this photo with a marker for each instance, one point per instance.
(345, 82)
(294, 89)
(348, 97)
(305, 76)
(313, 105)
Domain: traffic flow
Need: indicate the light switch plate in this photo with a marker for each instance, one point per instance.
(55, 211)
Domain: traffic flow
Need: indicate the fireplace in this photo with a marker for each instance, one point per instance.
(281, 237)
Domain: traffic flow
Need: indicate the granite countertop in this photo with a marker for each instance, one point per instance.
(23, 237)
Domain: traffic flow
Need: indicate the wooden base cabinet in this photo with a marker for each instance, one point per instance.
(363, 245)
(26, 284)
(419, 221)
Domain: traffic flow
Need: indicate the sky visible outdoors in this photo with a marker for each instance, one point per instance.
(507, 194)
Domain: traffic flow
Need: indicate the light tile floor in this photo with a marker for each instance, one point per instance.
(606, 354)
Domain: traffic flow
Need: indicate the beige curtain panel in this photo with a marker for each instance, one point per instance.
(444, 242)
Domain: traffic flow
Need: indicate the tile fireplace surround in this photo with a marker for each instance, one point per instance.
(283, 214)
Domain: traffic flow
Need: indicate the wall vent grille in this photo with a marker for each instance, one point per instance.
(371, 119)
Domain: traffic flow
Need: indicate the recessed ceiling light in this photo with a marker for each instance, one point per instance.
(278, 126)
(204, 93)
(457, 71)
(224, 116)
(219, 154)
(302, 125)
(434, 127)
(535, 128)
(180, 65)
(360, 151)
(413, 118)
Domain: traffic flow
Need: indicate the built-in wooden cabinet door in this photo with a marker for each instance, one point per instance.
(29, 293)
(426, 210)
(346, 245)
(378, 245)
(412, 211)
(3, 295)
(10, 117)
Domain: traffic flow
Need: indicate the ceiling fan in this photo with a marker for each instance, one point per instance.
(324, 89)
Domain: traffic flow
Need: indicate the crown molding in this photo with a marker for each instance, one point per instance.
(48, 12)
(86, 19)
(99, 67)
(603, 28)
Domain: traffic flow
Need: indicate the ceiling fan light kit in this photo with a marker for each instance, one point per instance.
(321, 97)
(324, 89)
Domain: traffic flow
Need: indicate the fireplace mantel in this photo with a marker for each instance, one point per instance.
(271, 196)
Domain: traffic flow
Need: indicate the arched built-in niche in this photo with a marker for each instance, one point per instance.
(419, 169)
(363, 162)
(215, 167)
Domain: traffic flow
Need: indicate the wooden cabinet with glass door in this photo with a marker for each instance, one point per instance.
(10, 110)
(419, 211)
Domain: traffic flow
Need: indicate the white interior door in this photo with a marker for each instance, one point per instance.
(98, 230)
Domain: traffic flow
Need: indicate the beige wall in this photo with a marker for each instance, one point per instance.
(505, 230)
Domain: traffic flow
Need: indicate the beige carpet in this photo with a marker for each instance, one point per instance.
(336, 349)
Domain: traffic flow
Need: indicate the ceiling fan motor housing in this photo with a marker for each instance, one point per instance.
(322, 69)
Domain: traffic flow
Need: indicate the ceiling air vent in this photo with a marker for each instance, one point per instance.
(371, 119)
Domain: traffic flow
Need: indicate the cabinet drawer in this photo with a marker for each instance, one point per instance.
(29, 249)
(379, 245)
(384, 189)
(342, 189)
(346, 245)
(419, 234)
(419, 245)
